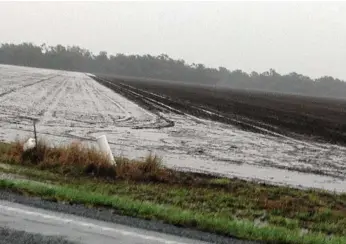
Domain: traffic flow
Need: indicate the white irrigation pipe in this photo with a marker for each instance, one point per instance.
(104, 147)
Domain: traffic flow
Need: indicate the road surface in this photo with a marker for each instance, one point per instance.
(79, 229)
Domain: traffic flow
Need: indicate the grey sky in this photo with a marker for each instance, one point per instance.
(306, 37)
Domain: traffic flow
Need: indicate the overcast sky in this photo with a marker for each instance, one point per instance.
(306, 37)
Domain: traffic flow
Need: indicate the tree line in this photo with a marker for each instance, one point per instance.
(75, 58)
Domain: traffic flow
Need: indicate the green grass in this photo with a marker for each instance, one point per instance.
(218, 205)
(202, 208)
(170, 214)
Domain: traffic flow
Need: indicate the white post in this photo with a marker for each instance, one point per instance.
(104, 147)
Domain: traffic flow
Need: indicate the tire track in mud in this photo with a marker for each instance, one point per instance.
(166, 100)
(159, 105)
(102, 96)
(195, 112)
(154, 104)
(149, 124)
(145, 103)
(96, 96)
(163, 107)
(200, 110)
(166, 104)
(249, 126)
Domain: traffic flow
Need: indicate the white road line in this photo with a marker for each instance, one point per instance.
(85, 224)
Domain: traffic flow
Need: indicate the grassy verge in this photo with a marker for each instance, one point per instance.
(170, 214)
(228, 207)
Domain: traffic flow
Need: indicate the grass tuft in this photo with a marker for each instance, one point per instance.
(148, 170)
(78, 160)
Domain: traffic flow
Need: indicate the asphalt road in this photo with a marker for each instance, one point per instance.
(10, 236)
(79, 229)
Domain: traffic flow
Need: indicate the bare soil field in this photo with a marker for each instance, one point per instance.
(302, 117)
(199, 129)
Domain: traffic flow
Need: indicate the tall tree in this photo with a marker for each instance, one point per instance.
(164, 67)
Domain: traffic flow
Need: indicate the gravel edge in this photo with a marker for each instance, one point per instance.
(108, 215)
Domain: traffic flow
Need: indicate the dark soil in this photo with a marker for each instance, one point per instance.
(320, 119)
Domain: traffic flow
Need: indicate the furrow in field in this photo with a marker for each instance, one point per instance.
(99, 109)
(76, 108)
(52, 92)
(47, 114)
(113, 112)
(29, 101)
(13, 77)
(13, 90)
(156, 121)
(104, 98)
